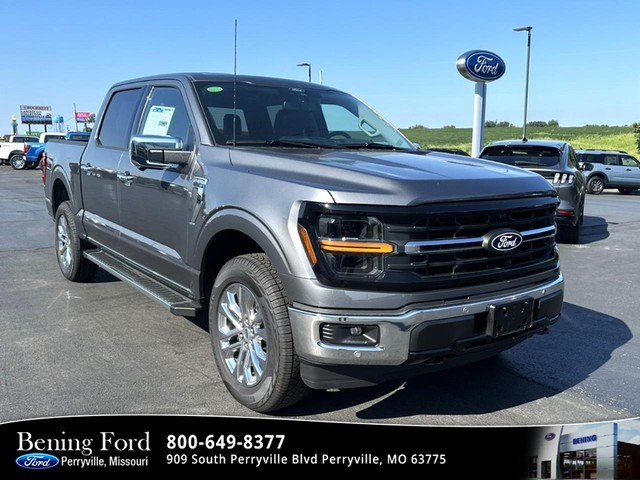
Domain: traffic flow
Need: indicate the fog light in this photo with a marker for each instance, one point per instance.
(361, 335)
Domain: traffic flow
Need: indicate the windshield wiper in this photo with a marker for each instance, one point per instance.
(284, 142)
(372, 146)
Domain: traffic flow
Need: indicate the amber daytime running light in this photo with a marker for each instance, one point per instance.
(344, 246)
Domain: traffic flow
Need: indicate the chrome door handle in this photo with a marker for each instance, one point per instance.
(199, 184)
(125, 178)
(87, 168)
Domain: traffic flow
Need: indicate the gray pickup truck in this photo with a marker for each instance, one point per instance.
(327, 250)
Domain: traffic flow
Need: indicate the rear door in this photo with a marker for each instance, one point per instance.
(99, 167)
(156, 205)
(613, 168)
(631, 170)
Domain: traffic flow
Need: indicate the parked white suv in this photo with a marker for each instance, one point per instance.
(609, 169)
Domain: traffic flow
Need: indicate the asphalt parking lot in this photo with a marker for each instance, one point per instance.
(103, 348)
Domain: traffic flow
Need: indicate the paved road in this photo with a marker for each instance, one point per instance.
(69, 349)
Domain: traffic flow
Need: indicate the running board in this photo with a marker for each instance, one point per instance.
(175, 302)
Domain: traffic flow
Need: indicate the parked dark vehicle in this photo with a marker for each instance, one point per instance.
(609, 169)
(557, 162)
(327, 249)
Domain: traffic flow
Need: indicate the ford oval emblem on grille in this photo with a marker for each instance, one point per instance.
(502, 240)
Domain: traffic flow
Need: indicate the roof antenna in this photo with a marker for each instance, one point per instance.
(235, 66)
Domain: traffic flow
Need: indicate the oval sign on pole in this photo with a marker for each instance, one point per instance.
(480, 66)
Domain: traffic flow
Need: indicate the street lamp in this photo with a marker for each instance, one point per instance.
(526, 82)
(308, 65)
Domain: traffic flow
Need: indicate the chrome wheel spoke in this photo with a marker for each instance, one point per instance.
(232, 310)
(258, 357)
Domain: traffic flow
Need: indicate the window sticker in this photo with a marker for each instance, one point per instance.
(158, 120)
(214, 89)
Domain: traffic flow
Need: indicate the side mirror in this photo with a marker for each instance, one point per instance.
(157, 151)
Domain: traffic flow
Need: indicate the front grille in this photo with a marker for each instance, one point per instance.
(444, 245)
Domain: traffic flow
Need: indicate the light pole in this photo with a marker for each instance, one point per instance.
(526, 81)
(308, 65)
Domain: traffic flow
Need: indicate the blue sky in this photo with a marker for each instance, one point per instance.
(397, 56)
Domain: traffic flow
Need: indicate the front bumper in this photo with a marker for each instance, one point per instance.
(454, 333)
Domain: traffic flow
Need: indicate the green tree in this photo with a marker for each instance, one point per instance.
(636, 131)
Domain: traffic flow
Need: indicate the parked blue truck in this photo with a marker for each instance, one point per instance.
(33, 151)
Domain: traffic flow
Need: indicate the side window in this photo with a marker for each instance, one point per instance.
(118, 118)
(573, 161)
(592, 158)
(611, 160)
(166, 114)
(629, 161)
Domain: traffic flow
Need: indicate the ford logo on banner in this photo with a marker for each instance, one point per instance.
(37, 461)
(480, 66)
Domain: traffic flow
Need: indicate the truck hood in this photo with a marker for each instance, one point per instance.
(392, 178)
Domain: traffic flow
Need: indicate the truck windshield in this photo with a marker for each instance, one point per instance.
(288, 116)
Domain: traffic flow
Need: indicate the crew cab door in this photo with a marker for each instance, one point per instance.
(99, 167)
(156, 204)
(614, 169)
(631, 170)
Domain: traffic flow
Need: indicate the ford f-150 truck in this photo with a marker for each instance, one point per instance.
(327, 250)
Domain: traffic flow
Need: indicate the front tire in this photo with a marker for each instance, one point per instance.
(251, 335)
(595, 185)
(18, 162)
(69, 247)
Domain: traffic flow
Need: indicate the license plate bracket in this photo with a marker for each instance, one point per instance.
(506, 318)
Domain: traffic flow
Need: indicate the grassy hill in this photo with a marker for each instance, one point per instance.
(591, 136)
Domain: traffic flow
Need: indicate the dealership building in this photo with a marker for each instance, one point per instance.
(587, 451)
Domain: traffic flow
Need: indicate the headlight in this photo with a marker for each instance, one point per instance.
(350, 245)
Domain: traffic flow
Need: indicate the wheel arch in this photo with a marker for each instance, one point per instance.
(229, 234)
(59, 194)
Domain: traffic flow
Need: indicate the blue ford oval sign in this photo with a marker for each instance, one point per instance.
(480, 66)
(549, 436)
(37, 461)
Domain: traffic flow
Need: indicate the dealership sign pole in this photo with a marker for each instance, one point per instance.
(480, 67)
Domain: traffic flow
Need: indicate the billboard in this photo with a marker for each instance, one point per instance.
(82, 117)
(36, 114)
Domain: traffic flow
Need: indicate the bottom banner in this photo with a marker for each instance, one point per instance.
(104, 446)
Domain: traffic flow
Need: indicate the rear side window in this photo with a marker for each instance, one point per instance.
(591, 158)
(118, 118)
(523, 156)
